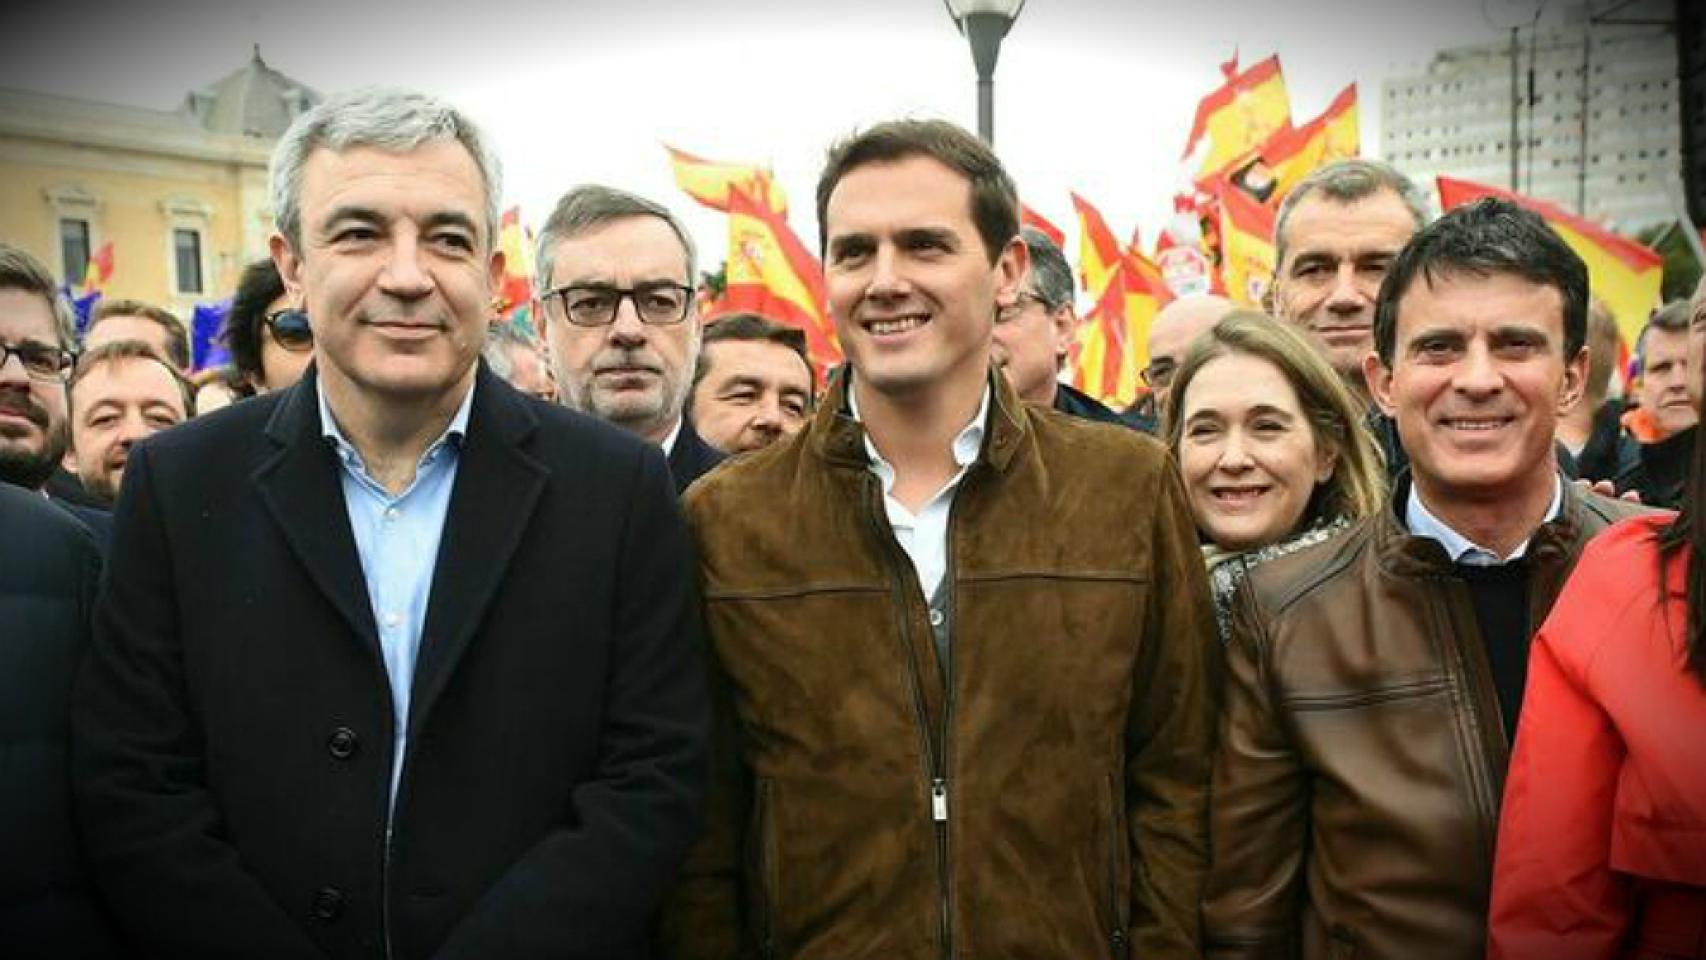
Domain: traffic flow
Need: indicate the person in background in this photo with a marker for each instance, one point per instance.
(1662, 425)
(1178, 325)
(1602, 840)
(159, 328)
(1592, 432)
(267, 332)
(1376, 679)
(1034, 332)
(517, 358)
(121, 392)
(217, 387)
(753, 384)
(1271, 445)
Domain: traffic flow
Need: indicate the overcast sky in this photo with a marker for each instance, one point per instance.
(1095, 96)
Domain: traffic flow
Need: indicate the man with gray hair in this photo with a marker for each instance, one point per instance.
(1033, 334)
(516, 357)
(397, 662)
(615, 300)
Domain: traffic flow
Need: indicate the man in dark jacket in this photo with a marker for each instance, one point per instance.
(1376, 679)
(398, 662)
(49, 568)
(965, 654)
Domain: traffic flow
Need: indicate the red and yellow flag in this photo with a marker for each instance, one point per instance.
(99, 270)
(1238, 118)
(1295, 152)
(771, 273)
(1623, 273)
(710, 181)
(515, 289)
(1031, 218)
(1246, 246)
(1113, 345)
(1098, 251)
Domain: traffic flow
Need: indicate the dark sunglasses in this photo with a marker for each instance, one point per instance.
(290, 330)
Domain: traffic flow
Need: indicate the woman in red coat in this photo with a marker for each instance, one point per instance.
(1602, 841)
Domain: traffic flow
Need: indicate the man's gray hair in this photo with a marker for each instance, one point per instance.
(590, 206)
(1348, 181)
(1051, 275)
(383, 118)
(21, 271)
(501, 337)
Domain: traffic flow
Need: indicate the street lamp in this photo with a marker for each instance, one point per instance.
(984, 23)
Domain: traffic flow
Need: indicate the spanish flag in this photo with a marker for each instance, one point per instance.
(1623, 273)
(1113, 345)
(1238, 118)
(1296, 152)
(1246, 246)
(771, 273)
(710, 181)
(515, 289)
(1098, 251)
(1031, 218)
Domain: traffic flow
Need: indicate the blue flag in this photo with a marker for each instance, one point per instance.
(205, 327)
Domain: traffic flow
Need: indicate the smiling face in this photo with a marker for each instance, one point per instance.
(1477, 385)
(116, 404)
(629, 372)
(396, 270)
(911, 287)
(1665, 373)
(1336, 255)
(1247, 452)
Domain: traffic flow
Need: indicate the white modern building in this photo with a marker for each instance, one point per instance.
(1620, 164)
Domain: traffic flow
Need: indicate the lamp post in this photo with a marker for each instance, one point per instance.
(984, 23)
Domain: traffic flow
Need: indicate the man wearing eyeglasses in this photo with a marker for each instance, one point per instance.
(1176, 326)
(615, 275)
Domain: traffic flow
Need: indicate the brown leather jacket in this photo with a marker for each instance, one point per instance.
(1363, 754)
(1043, 794)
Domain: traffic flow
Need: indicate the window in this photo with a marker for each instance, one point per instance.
(186, 255)
(74, 249)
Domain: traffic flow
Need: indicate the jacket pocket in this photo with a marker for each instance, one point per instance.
(1119, 870)
(1342, 943)
(761, 883)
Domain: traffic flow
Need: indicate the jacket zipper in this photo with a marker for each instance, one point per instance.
(903, 575)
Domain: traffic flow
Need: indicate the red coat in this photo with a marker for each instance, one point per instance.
(1602, 842)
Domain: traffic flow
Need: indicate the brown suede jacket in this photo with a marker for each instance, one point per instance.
(1363, 752)
(1044, 794)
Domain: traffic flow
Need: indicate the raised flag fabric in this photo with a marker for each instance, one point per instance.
(1113, 345)
(771, 273)
(206, 322)
(1625, 274)
(1246, 246)
(711, 181)
(1295, 152)
(1238, 118)
(1098, 251)
(515, 288)
(1030, 218)
(98, 271)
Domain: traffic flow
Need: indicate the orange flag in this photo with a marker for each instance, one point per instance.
(710, 181)
(1031, 218)
(771, 273)
(1238, 118)
(1246, 246)
(1294, 153)
(99, 270)
(515, 289)
(1098, 251)
(1623, 273)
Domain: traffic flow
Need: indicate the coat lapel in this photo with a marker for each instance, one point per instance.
(301, 489)
(497, 489)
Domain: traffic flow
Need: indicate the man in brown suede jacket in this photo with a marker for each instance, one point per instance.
(1374, 680)
(964, 650)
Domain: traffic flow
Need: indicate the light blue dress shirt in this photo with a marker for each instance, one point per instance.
(397, 538)
(1461, 549)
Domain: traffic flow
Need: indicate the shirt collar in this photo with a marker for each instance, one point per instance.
(967, 443)
(673, 435)
(1423, 523)
(454, 432)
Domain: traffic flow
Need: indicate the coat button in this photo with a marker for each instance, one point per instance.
(342, 743)
(329, 903)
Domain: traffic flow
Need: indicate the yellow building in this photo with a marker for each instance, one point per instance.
(181, 195)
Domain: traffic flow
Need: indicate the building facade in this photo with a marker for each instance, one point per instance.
(181, 195)
(1618, 163)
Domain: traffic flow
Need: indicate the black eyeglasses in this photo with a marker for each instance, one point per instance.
(1159, 373)
(660, 303)
(1011, 311)
(40, 361)
(290, 330)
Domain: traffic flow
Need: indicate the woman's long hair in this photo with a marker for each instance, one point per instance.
(1686, 531)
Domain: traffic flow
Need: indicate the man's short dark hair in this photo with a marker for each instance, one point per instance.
(994, 198)
(1490, 236)
(259, 286)
(749, 327)
(22, 272)
(1051, 275)
(127, 350)
(177, 338)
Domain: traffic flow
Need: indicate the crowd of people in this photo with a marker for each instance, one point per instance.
(1376, 629)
